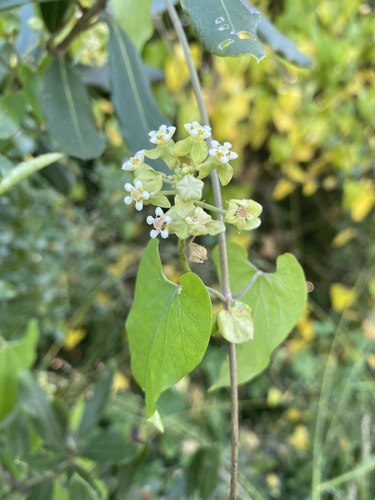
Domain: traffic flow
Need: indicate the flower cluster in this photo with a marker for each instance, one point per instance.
(189, 161)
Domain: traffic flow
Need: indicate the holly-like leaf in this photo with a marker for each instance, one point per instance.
(134, 103)
(168, 327)
(225, 27)
(277, 301)
(70, 120)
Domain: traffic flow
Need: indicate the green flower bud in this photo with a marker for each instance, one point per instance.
(236, 324)
(189, 188)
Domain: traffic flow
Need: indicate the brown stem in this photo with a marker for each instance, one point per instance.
(216, 188)
(81, 25)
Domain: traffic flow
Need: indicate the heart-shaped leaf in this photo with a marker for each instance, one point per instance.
(168, 327)
(277, 301)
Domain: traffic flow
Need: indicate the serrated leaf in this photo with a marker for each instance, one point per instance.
(280, 43)
(277, 300)
(225, 27)
(168, 327)
(70, 120)
(27, 168)
(134, 103)
(15, 357)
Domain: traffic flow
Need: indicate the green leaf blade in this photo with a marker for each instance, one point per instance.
(225, 27)
(67, 106)
(168, 327)
(277, 300)
(15, 357)
(134, 103)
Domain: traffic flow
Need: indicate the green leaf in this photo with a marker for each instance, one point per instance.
(50, 420)
(225, 27)
(168, 327)
(54, 13)
(277, 300)
(134, 17)
(135, 106)
(26, 168)
(202, 472)
(12, 112)
(33, 88)
(95, 405)
(79, 488)
(15, 357)
(281, 44)
(69, 116)
(110, 446)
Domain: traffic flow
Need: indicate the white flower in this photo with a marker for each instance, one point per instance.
(160, 223)
(222, 153)
(197, 131)
(137, 194)
(135, 162)
(163, 135)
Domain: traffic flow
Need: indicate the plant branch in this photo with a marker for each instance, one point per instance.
(81, 25)
(226, 292)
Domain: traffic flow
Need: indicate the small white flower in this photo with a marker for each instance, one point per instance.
(135, 162)
(160, 223)
(197, 131)
(137, 194)
(163, 135)
(222, 153)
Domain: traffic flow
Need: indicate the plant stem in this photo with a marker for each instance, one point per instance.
(213, 208)
(82, 24)
(224, 269)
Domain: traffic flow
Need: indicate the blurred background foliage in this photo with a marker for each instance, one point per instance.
(71, 416)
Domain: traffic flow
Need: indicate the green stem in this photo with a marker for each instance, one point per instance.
(203, 204)
(222, 246)
(182, 256)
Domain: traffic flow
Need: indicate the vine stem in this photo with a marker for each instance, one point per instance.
(224, 269)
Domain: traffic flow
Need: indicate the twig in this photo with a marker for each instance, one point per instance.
(222, 245)
(82, 24)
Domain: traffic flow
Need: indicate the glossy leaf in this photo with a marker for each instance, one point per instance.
(69, 116)
(225, 27)
(33, 87)
(277, 300)
(134, 103)
(27, 168)
(15, 357)
(280, 43)
(134, 17)
(168, 327)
